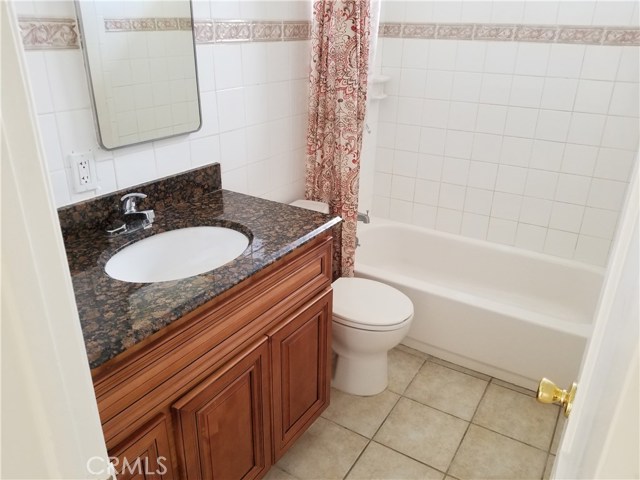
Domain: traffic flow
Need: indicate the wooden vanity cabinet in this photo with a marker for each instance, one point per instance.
(224, 393)
(300, 358)
(145, 456)
(223, 425)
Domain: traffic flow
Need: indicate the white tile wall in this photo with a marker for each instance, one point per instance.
(253, 101)
(530, 145)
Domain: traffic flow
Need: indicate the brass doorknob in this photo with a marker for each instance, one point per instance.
(548, 392)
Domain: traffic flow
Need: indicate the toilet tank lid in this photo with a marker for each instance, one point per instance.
(311, 205)
(370, 303)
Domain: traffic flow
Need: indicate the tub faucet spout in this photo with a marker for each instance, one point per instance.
(364, 217)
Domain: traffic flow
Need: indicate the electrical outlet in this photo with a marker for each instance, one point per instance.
(83, 171)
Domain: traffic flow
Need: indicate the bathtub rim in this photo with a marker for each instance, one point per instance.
(507, 249)
(564, 325)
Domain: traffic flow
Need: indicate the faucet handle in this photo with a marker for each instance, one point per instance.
(129, 202)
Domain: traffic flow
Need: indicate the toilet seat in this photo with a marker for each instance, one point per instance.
(369, 305)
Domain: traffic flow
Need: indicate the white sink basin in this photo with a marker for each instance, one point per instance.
(176, 254)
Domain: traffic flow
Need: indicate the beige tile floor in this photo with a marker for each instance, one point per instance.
(435, 421)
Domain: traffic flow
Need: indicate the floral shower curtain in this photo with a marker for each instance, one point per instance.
(337, 97)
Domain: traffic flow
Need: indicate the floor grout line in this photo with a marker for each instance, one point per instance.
(374, 434)
(467, 429)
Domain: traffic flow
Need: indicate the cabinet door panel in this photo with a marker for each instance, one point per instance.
(224, 423)
(146, 455)
(301, 373)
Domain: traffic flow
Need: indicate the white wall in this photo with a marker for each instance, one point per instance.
(50, 422)
(253, 99)
(525, 144)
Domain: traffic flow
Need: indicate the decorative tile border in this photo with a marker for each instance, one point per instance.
(146, 24)
(586, 35)
(54, 33)
(226, 31)
(49, 33)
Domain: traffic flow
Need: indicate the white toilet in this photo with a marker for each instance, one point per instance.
(369, 319)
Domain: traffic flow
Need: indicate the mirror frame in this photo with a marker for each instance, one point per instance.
(94, 107)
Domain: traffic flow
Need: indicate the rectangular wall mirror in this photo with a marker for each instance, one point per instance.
(140, 60)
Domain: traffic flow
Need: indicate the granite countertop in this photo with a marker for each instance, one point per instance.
(116, 315)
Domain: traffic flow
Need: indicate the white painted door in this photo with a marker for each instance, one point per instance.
(601, 439)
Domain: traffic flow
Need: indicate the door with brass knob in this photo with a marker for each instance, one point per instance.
(549, 392)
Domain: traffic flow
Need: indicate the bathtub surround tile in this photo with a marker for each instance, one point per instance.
(506, 206)
(547, 155)
(400, 210)
(599, 223)
(455, 171)
(486, 147)
(495, 88)
(363, 415)
(447, 390)
(434, 436)
(560, 244)
(424, 215)
(381, 462)
(323, 441)
(451, 196)
(621, 132)
(536, 211)
(607, 194)
(449, 220)
(525, 420)
(478, 201)
(511, 179)
(486, 454)
(403, 367)
(474, 226)
(573, 189)
(502, 231)
(530, 237)
(567, 217)
(427, 192)
(624, 100)
(541, 184)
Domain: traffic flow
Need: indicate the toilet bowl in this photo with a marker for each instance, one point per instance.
(369, 319)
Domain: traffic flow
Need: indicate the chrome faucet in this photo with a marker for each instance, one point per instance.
(134, 219)
(130, 207)
(364, 217)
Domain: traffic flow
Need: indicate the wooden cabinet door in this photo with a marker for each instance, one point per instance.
(146, 455)
(223, 424)
(300, 350)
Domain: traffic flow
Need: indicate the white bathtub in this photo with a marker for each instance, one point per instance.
(512, 314)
